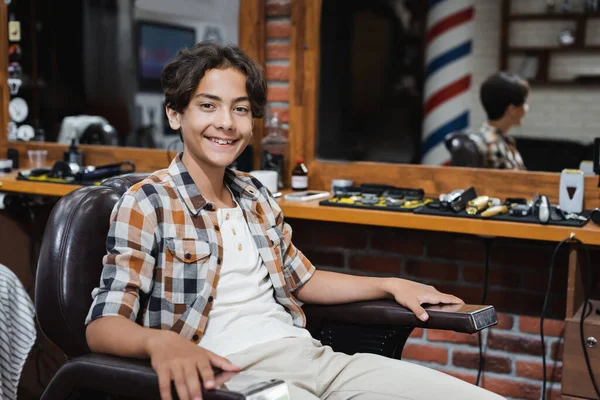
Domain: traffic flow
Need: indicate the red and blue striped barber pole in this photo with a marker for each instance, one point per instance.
(447, 99)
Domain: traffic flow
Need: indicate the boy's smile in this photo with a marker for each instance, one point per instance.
(217, 123)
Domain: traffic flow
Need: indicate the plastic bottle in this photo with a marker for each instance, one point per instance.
(300, 176)
(275, 149)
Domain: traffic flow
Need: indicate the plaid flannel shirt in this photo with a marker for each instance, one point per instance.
(500, 150)
(164, 252)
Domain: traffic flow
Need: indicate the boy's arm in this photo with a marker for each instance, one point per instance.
(332, 288)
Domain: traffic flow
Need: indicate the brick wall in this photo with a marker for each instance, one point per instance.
(452, 263)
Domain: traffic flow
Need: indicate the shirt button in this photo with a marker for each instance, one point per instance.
(217, 228)
(210, 299)
(195, 338)
(226, 216)
(240, 247)
(188, 256)
(233, 231)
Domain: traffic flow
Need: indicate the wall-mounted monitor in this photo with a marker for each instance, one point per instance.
(157, 43)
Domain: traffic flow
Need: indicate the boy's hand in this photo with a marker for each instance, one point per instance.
(176, 359)
(412, 294)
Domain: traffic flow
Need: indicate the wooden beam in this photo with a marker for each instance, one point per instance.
(4, 91)
(252, 34)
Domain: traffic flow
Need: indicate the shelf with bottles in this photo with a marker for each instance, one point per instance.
(571, 41)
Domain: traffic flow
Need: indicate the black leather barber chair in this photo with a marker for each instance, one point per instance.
(69, 268)
(464, 151)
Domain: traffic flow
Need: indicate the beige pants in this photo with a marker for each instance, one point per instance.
(313, 371)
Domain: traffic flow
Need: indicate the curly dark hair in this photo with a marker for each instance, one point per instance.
(182, 74)
(499, 91)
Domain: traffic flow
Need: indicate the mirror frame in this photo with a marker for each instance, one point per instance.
(303, 108)
(251, 25)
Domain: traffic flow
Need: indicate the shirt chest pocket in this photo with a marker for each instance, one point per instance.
(276, 243)
(185, 269)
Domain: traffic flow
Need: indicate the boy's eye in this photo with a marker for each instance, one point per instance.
(206, 106)
(241, 109)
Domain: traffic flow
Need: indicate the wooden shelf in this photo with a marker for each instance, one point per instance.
(544, 54)
(562, 83)
(555, 49)
(557, 16)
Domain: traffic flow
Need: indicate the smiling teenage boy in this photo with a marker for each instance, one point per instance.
(200, 254)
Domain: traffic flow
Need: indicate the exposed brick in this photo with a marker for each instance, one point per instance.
(302, 232)
(538, 280)
(554, 394)
(534, 370)
(278, 72)
(279, 8)
(278, 51)
(277, 93)
(521, 256)
(450, 248)
(504, 321)
(465, 377)
(325, 258)
(376, 264)
(552, 327)
(515, 301)
(279, 29)
(282, 113)
(417, 333)
(421, 352)
(431, 270)
(436, 335)
(498, 276)
(514, 344)
(508, 388)
(557, 350)
(401, 241)
(347, 236)
(470, 360)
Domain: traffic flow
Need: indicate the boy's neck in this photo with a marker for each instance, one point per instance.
(502, 125)
(209, 181)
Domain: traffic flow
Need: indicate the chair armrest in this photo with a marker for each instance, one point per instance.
(115, 376)
(465, 318)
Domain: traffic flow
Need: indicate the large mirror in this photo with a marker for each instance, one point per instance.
(90, 70)
(399, 77)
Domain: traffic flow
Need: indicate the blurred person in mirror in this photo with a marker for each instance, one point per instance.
(504, 99)
(201, 270)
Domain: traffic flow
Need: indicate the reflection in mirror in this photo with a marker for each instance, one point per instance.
(371, 80)
(90, 69)
(373, 86)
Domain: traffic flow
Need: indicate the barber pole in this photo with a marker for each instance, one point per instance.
(447, 99)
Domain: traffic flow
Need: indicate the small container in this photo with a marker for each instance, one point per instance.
(300, 176)
(341, 186)
(37, 158)
(5, 166)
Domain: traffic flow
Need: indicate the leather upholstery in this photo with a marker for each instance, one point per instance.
(69, 268)
(70, 264)
(125, 377)
(123, 182)
(464, 152)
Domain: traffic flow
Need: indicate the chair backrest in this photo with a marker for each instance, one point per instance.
(464, 152)
(70, 261)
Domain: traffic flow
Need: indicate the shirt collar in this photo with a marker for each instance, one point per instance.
(189, 192)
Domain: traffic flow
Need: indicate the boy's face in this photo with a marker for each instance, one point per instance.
(217, 123)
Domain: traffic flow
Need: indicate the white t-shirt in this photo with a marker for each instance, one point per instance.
(244, 311)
